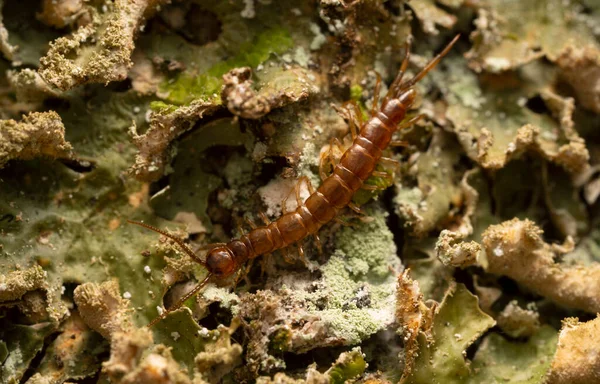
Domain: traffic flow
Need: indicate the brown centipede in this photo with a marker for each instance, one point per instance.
(335, 193)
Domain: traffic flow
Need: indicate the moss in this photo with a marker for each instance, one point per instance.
(356, 92)
(186, 87)
(279, 341)
(162, 107)
(348, 366)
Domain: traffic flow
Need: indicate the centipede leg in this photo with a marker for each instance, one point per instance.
(370, 187)
(393, 162)
(250, 223)
(264, 261)
(375, 106)
(287, 255)
(243, 274)
(399, 143)
(350, 111)
(356, 208)
(343, 222)
(301, 254)
(264, 218)
(318, 243)
(356, 118)
(382, 174)
(327, 159)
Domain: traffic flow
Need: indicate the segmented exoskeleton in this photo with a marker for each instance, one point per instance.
(335, 193)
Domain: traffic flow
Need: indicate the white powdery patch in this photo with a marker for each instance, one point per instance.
(499, 252)
(276, 191)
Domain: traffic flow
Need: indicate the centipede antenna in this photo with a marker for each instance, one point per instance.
(430, 65)
(177, 240)
(392, 90)
(180, 302)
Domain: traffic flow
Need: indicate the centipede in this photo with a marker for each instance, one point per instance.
(357, 164)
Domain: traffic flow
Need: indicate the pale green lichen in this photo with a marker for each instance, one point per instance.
(494, 126)
(503, 41)
(456, 325)
(500, 360)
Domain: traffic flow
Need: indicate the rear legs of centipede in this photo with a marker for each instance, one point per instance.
(296, 191)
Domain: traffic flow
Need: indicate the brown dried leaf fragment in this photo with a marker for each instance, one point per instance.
(39, 134)
(581, 69)
(577, 358)
(98, 52)
(102, 308)
(515, 249)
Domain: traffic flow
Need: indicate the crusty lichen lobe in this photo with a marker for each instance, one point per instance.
(515, 249)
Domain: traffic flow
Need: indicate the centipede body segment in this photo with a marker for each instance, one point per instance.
(335, 193)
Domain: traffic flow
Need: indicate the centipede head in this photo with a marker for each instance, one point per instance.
(220, 261)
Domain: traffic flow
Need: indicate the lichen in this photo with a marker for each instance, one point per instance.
(102, 308)
(99, 51)
(455, 326)
(349, 303)
(38, 135)
(577, 353)
(515, 248)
